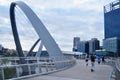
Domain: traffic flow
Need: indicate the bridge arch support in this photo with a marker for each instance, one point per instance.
(39, 27)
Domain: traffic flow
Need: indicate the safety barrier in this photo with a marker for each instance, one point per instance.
(33, 67)
(115, 74)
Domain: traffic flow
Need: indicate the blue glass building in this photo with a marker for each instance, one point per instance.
(86, 46)
(112, 19)
(112, 27)
(76, 41)
(94, 44)
(83, 46)
(112, 45)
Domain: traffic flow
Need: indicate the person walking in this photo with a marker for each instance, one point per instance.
(103, 59)
(86, 59)
(92, 57)
(99, 59)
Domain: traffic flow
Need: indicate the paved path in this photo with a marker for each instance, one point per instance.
(79, 72)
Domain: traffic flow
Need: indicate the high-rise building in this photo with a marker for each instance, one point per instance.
(112, 45)
(83, 46)
(112, 19)
(112, 27)
(76, 41)
(94, 44)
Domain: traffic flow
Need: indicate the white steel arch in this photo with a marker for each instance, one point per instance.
(39, 27)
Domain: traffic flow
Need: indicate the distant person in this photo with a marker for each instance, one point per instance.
(99, 59)
(103, 59)
(92, 58)
(86, 59)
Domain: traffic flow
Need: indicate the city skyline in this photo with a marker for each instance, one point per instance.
(64, 21)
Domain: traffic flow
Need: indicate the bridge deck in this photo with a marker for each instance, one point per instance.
(79, 72)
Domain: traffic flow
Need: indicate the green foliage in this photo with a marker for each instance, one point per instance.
(9, 72)
(4, 61)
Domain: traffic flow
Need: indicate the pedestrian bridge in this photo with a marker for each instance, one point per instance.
(57, 66)
(79, 72)
(47, 69)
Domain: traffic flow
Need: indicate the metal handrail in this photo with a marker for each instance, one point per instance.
(118, 65)
(42, 68)
(115, 74)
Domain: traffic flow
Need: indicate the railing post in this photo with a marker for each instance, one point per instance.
(3, 76)
(17, 71)
(15, 60)
(37, 61)
(46, 66)
(40, 71)
(29, 69)
(51, 65)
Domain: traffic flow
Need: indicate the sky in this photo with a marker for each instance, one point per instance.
(64, 19)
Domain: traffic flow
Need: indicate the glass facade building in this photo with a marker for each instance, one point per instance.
(94, 44)
(112, 19)
(76, 41)
(86, 46)
(83, 46)
(112, 27)
(112, 45)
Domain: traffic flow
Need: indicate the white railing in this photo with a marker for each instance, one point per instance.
(118, 64)
(115, 74)
(117, 71)
(34, 66)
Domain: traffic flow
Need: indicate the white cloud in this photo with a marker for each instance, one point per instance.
(4, 2)
(64, 19)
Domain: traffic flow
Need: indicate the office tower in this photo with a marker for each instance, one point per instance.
(76, 41)
(94, 44)
(112, 45)
(112, 27)
(112, 19)
(83, 46)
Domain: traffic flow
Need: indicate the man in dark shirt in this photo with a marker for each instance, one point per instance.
(103, 59)
(86, 59)
(92, 57)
